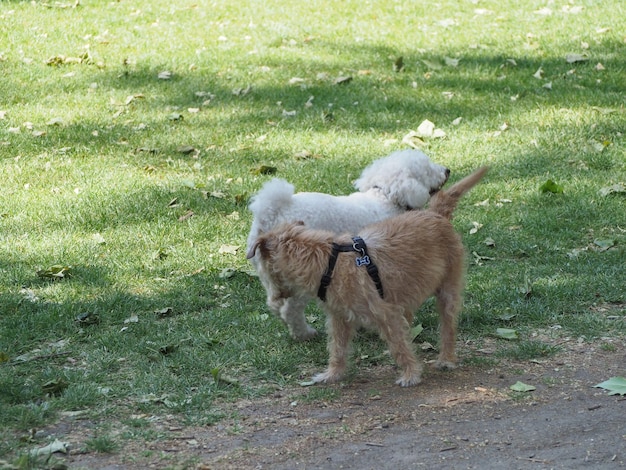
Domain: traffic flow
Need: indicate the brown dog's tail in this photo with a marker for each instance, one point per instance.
(445, 201)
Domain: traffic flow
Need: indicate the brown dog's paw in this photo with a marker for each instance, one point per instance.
(409, 381)
(310, 333)
(445, 365)
(327, 377)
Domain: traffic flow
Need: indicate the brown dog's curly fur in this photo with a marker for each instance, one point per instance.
(418, 254)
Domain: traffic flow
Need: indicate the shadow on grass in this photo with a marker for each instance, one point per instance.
(479, 89)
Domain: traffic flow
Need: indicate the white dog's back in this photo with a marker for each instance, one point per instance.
(276, 203)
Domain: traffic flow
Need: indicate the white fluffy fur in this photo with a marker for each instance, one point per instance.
(389, 186)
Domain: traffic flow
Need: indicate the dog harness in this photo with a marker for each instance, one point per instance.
(357, 246)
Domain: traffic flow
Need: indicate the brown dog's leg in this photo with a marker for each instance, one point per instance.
(448, 304)
(394, 329)
(340, 332)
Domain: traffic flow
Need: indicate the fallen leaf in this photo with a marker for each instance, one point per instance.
(242, 91)
(99, 239)
(186, 149)
(527, 288)
(412, 140)
(599, 147)
(573, 58)
(132, 319)
(153, 151)
(227, 273)
(616, 188)
(55, 446)
(186, 216)
(572, 9)
(164, 312)
(427, 129)
(489, 242)
(55, 272)
(55, 121)
(573, 254)
(506, 316)
(506, 333)
(229, 249)
(615, 385)
(204, 94)
(457, 121)
(54, 387)
(451, 62)
(416, 331)
(538, 74)
(164, 75)
(87, 318)
(545, 11)
(432, 65)
(447, 22)
(264, 170)
(478, 259)
(343, 80)
(49, 349)
(551, 187)
(29, 294)
(159, 255)
(168, 349)
(604, 244)
(522, 387)
(476, 228)
(221, 378)
(398, 64)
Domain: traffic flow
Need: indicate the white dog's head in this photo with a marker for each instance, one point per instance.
(407, 178)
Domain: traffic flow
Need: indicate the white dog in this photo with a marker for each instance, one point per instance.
(389, 186)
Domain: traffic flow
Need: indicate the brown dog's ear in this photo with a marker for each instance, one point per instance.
(252, 251)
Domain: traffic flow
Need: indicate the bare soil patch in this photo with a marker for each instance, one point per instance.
(467, 418)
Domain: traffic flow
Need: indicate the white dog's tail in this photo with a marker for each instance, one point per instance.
(274, 194)
(445, 201)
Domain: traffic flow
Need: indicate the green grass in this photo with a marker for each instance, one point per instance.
(96, 177)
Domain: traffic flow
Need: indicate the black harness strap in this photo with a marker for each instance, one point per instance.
(357, 246)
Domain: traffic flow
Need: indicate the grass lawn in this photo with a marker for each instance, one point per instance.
(132, 135)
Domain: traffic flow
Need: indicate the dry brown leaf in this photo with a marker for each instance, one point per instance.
(229, 249)
(186, 216)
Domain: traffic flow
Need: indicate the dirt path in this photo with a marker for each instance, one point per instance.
(461, 419)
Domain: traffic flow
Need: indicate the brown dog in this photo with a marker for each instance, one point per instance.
(417, 254)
